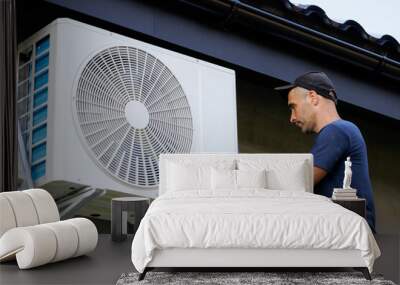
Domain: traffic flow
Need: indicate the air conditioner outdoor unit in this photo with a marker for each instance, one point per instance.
(97, 108)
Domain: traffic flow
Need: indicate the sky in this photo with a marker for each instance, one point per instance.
(377, 17)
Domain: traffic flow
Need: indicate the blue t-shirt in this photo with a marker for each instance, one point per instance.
(333, 144)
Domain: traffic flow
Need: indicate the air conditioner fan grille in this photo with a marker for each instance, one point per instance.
(130, 108)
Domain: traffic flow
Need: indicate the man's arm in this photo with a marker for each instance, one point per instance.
(330, 146)
(319, 173)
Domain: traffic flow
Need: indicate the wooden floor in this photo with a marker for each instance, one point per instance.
(111, 259)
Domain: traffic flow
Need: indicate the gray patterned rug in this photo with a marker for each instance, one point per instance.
(230, 278)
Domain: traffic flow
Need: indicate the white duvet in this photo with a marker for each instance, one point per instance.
(250, 219)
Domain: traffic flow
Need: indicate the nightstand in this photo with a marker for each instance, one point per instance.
(357, 205)
(119, 215)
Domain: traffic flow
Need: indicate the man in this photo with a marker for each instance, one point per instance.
(312, 101)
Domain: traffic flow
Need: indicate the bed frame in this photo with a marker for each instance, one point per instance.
(242, 259)
(250, 258)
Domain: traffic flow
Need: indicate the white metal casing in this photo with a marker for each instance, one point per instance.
(209, 89)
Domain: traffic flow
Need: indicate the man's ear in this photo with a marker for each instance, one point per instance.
(313, 96)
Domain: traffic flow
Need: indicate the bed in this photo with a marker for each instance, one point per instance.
(245, 211)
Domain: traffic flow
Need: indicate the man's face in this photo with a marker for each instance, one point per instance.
(302, 113)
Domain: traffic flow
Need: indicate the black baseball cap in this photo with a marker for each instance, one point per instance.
(314, 80)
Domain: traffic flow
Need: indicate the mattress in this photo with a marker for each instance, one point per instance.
(250, 219)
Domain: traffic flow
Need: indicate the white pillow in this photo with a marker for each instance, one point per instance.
(183, 177)
(237, 179)
(189, 173)
(251, 178)
(293, 180)
(281, 175)
(223, 179)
